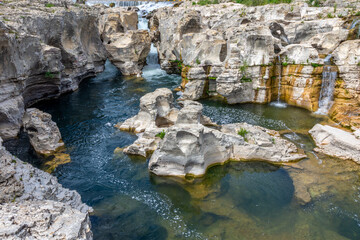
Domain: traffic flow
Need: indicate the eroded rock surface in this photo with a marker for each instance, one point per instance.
(191, 142)
(336, 142)
(33, 204)
(262, 54)
(44, 134)
(127, 47)
(43, 220)
(49, 47)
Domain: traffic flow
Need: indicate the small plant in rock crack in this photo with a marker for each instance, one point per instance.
(161, 134)
(49, 75)
(243, 71)
(198, 61)
(243, 132)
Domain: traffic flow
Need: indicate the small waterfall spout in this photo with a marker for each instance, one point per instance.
(279, 84)
(326, 98)
(278, 103)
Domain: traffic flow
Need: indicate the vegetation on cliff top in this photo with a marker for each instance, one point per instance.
(245, 2)
(261, 2)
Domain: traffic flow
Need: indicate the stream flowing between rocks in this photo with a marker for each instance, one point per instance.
(316, 198)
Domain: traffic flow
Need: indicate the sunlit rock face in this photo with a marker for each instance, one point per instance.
(261, 54)
(127, 47)
(190, 142)
(336, 142)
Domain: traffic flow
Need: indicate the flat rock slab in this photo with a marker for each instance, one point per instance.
(336, 142)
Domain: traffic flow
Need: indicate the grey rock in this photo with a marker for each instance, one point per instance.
(44, 134)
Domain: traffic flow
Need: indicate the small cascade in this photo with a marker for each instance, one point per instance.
(278, 103)
(279, 80)
(353, 25)
(326, 98)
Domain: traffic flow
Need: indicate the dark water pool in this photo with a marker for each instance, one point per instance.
(240, 200)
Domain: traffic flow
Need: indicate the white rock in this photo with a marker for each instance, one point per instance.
(336, 142)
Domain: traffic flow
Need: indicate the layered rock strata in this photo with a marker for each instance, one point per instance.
(34, 205)
(189, 142)
(48, 47)
(127, 47)
(262, 54)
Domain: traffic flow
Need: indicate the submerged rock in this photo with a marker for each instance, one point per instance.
(336, 142)
(192, 142)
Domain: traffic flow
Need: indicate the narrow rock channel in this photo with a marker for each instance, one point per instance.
(188, 120)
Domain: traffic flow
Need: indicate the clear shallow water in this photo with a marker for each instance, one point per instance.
(240, 200)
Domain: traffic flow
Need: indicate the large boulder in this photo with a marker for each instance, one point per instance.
(128, 51)
(44, 134)
(156, 110)
(336, 142)
(127, 47)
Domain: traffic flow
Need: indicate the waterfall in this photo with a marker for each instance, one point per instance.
(279, 80)
(278, 103)
(353, 25)
(326, 98)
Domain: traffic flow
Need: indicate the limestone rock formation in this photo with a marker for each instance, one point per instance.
(189, 142)
(46, 50)
(128, 51)
(336, 142)
(44, 134)
(261, 54)
(156, 110)
(127, 47)
(43, 220)
(35, 205)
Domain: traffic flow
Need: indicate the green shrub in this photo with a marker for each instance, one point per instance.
(179, 63)
(198, 61)
(161, 134)
(49, 75)
(285, 64)
(49, 5)
(212, 78)
(242, 132)
(329, 15)
(261, 2)
(314, 65)
(112, 5)
(207, 2)
(245, 79)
